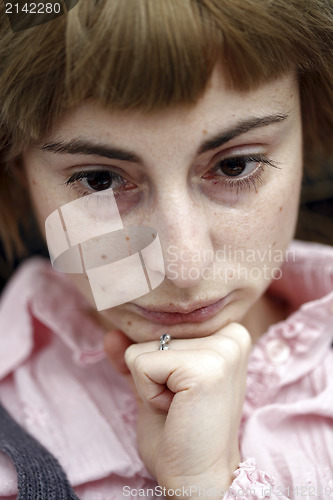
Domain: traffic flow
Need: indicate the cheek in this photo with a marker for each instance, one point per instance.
(263, 219)
(40, 191)
(40, 201)
(282, 209)
(46, 194)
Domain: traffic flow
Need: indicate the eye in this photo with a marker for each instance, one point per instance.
(99, 180)
(235, 167)
(239, 171)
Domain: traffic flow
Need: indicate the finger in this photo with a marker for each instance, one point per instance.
(229, 340)
(160, 375)
(115, 345)
(233, 342)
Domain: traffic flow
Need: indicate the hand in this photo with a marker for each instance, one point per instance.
(191, 399)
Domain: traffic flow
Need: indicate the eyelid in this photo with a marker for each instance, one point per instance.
(96, 167)
(240, 150)
(258, 158)
(82, 174)
(93, 167)
(241, 181)
(76, 181)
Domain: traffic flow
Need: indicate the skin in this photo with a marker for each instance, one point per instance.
(196, 212)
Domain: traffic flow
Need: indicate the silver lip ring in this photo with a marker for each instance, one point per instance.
(164, 339)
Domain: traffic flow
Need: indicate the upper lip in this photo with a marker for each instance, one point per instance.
(181, 309)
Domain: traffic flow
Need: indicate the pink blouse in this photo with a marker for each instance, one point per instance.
(57, 383)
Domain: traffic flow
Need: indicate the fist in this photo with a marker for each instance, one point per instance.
(190, 406)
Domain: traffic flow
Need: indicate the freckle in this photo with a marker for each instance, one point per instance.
(129, 323)
(281, 208)
(291, 95)
(171, 303)
(153, 235)
(34, 182)
(204, 132)
(103, 256)
(274, 243)
(127, 238)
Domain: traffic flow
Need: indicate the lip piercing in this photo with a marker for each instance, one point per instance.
(164, 339)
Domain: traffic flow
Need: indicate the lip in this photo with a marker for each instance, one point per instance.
(174, 315)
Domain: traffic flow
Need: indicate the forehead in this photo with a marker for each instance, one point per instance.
(218, 106)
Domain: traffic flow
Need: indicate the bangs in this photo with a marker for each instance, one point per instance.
(152, 54)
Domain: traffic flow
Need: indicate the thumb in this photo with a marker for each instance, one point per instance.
(115, 345)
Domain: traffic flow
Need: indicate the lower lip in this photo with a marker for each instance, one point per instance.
(196, 316)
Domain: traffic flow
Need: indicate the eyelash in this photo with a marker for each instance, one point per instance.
(74, 181)
(239, 183)
(249, 181)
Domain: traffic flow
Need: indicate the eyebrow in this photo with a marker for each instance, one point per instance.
(240, 128)
(84, 147)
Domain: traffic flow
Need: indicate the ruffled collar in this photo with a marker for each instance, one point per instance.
(38, 292)
(294, 347)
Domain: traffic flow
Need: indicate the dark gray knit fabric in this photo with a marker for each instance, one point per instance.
(40, 476)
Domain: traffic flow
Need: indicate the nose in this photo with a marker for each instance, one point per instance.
(185, 234)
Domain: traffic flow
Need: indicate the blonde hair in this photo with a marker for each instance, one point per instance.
(151, 54)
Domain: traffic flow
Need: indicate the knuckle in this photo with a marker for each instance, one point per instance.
(241, 336)
(228, 347)
(206, 366)
(139, 363)
(237, 328)
(232, 350)
(130, 355)
(247, 342)
(215, 365)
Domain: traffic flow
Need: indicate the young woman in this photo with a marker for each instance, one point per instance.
(193, 117)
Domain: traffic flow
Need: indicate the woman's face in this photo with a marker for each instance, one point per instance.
(219, 181)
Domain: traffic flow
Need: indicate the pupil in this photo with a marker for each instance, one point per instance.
(99, 180)
(233, 166)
